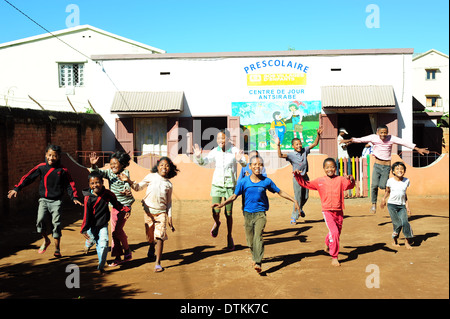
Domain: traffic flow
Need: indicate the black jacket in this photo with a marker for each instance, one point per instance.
(54, 180)
(96, 210)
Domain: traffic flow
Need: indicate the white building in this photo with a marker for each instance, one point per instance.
(430, 98)
(431, 80)
(184, 95)
(50, 68)
(167, 102)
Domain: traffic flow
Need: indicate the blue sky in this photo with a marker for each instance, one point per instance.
(182, 26)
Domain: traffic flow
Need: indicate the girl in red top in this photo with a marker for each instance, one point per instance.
(331, 191)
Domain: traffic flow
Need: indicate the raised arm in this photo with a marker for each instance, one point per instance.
(316, 141)
(93, 159)
(240, 158)
(280, 155)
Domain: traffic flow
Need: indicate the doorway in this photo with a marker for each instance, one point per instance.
(357, 125)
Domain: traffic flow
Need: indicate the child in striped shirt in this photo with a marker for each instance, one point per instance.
(118, 162)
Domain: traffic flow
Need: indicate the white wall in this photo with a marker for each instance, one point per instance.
(31, 68)
(440, 86)
(211, 85)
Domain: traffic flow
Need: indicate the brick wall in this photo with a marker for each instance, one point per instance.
(24, 136)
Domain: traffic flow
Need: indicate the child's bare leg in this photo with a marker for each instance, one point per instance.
(158, 252)
(395, 240)
(335, 262)
(46, 243)
(57, 243)
(216, 217)
(230, 243)
(408, 243)
(46, 239)
(229, 223)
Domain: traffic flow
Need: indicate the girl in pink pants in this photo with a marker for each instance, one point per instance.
(331, 191)
(333, 219)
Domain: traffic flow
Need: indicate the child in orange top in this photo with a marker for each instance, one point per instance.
(331, 191)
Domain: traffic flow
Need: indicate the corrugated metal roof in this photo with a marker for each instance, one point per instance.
(125, 101)
(356, 96)
(251, 54)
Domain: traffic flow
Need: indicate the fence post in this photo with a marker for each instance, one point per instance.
(353, 174)
(361, 177)
(368, 177)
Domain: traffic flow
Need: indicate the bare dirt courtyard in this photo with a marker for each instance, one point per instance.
(197, 266)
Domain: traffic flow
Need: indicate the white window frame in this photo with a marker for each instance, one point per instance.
(430, 98)
(432, 73)
(67, 77)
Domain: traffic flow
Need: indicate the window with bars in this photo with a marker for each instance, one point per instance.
(71, 74)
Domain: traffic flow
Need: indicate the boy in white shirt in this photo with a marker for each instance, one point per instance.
(398, 204)
(225, 156)
(382, 143)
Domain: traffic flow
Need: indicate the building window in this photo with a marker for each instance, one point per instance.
(431, 74)
(434, 101)
(71, 74)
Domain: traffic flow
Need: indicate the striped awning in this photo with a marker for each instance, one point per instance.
(358, 97)
(126, 102)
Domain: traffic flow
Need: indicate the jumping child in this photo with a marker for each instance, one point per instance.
(398, 204)
(118, 162)
(331, 191)
(96, 216)
(299, 161)
(55, 178)
(381, 150)
(157, 204)
(256, 204)
(225, 156)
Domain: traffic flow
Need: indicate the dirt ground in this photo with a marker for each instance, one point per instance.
(198, 267)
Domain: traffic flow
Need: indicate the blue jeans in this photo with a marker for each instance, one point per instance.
(99, 236)
(400, 222)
